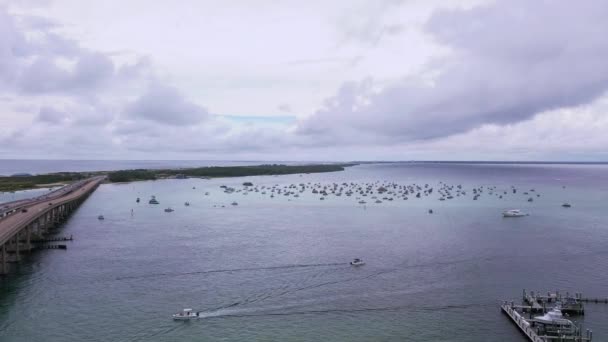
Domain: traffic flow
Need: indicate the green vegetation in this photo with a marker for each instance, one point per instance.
(223, 171)
(22, 182)
(131, 175)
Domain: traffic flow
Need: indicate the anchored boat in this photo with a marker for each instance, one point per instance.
(513, 213)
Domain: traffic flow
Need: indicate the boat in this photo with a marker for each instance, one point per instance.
(137, 200)
(357, 262)
(566, 205)
(100, 217)
(553, 317)
(513, 213)
(169, 210)
(186, 314)
(187, 204)
(234, 203)
(153, 200)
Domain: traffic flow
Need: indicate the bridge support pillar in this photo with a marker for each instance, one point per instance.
(28, 238)
(4, 264)
(16, 242)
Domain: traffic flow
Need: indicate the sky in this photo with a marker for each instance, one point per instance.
(512, 80)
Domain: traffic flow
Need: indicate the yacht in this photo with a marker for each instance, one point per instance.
(357, 262)
(513, 213)
(553, 317)
(186, 314)
(153, 200)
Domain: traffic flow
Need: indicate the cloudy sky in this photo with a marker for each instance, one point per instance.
(304, 80)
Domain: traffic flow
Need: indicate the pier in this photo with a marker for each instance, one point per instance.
(546, 318)
(26, 222)
(570, 303)
(536, 334)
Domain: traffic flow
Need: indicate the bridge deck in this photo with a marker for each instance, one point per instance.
(12, 224)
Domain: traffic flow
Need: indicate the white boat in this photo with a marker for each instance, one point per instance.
(185, 315)
(553, 317)
(357, 262)
(513, 213)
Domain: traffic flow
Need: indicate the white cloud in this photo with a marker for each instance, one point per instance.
(410, 80)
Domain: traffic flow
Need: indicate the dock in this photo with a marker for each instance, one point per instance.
(570, 303)
(534, 333)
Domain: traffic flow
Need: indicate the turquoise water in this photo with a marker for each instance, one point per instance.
(276, 269)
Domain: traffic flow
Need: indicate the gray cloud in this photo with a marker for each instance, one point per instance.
(166, 105)
(284, 107)
(510, 60)
(51, 115)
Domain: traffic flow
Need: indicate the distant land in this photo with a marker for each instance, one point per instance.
(481, 162)
(27, 181)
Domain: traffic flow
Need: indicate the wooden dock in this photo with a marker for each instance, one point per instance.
(521, 323)
(531, 332)
(569, 303)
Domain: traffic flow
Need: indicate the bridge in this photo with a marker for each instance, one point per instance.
(26, 220)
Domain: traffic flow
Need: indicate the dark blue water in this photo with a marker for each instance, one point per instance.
(276, 269)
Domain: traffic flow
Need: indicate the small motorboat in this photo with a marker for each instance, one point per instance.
(357, 262)
(169, 210)
(513, 213)
(100, 217)
(186, 314)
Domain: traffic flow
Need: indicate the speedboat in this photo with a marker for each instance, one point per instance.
(168, 210)
(185, 315)
(513, 213)
(357, 262)
(553, 317)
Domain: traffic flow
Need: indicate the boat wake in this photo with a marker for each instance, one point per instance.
(247, 269)
(234, 313)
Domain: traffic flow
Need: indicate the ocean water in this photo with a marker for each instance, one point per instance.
(276, 269)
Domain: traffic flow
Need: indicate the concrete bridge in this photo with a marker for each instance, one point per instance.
(24, 221)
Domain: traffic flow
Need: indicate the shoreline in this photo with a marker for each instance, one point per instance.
(21, 182)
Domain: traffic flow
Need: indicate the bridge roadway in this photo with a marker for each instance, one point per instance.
(39, 215)
(8, 208)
